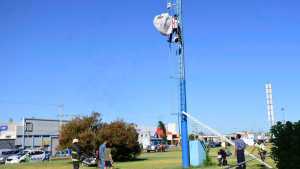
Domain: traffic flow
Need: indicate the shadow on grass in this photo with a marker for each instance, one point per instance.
(260, 166)
(133, 160)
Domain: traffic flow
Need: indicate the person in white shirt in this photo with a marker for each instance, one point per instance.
(262, 151)
(175, 30)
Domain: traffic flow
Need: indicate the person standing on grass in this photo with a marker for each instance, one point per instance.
(240, 146)
(97, 158)
(261, 149)
(75, 154)
(222, 157)
(102, 149)
(108, 157)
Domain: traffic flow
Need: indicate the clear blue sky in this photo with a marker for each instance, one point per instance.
(106, 56)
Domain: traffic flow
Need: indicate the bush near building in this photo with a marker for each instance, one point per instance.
(286, 147)
(124, 139)
(91, 132)
(83, 128)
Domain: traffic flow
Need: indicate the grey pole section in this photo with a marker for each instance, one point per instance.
(23, 138)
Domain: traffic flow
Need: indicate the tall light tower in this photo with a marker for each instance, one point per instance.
(169, 25)
(182, 83)
(270, 108)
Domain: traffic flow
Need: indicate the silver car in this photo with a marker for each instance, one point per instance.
(4, 153)
(26, 155)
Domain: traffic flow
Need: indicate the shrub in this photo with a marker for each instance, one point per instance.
(286, 148)
(91, 131)
(83, 128)
(124, 139)
(208, 160)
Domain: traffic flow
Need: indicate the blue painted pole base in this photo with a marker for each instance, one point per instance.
(197, 153)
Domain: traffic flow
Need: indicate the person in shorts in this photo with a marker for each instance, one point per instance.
(108, 157)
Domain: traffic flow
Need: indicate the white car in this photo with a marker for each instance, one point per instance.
(4, 153)
(26, 155)
(15, 159)
(37, 155)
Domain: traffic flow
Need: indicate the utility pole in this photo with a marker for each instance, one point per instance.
(182, 83)
(23, 135)
(163, 24)
(61, 114)
(283, 114)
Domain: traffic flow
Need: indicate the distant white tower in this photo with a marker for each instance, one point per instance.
(270, 108)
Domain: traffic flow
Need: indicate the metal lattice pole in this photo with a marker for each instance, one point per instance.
(183, 107)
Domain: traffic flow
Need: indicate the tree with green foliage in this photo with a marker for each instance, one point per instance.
(124, 139)
(84, 129)
(91, 132)
(286, 148)
(162, 127)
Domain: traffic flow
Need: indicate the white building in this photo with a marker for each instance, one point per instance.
(31, 133)
(8, 135)
(172, 134)
(171, 127)
(8, 130)
(145, 136)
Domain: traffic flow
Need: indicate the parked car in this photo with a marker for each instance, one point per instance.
(27, 155)
(152, 147)
(157, 148)
(47, 155)
(213, 144)
(18, 158)
(162, 147)
(4, 153)
(89, 160)
(63, 153)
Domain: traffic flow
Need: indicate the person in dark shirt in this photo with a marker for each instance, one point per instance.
(240, 146)
(76, 154)
(222, 157)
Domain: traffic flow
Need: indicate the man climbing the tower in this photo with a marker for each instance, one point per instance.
(169, 26)
(175, 30)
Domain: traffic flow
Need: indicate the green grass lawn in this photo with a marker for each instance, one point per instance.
(166, 160)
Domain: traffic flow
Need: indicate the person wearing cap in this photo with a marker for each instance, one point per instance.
(75, 154)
